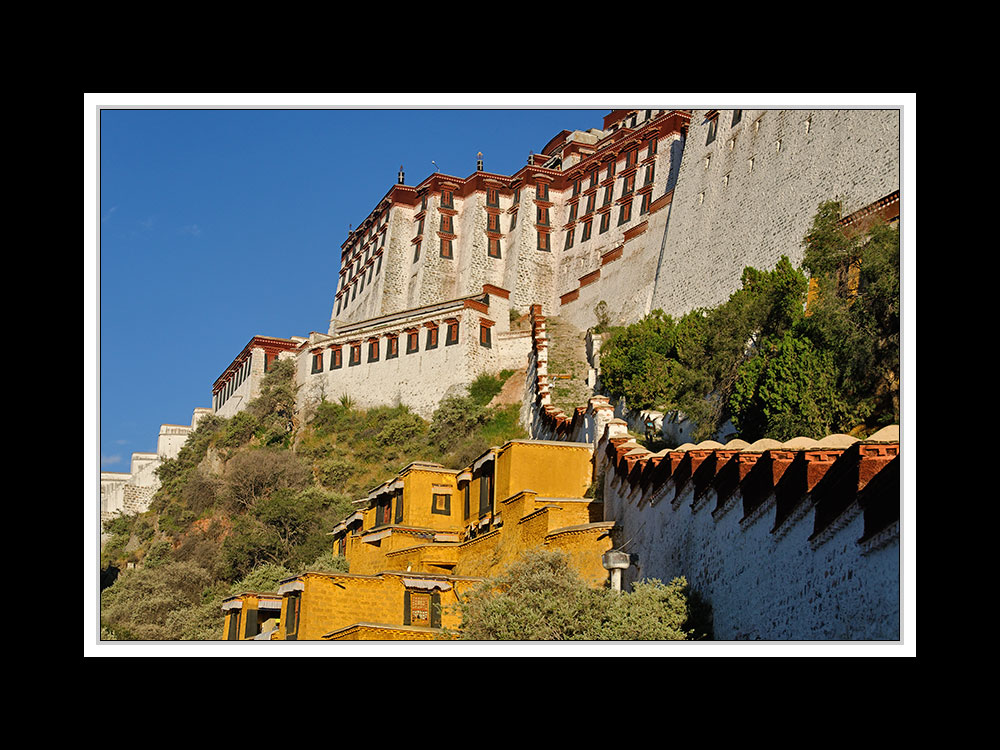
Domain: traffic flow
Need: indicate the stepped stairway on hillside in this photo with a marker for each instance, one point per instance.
(568, 365)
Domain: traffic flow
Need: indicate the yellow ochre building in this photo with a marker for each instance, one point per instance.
(421, 540)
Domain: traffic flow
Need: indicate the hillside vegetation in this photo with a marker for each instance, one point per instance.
(250, 500)
(765, 360)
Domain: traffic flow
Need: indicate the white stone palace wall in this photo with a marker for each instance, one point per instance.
(750, 196)
(625, 284)
(420, 379)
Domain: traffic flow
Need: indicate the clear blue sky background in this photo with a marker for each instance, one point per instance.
(218, 225)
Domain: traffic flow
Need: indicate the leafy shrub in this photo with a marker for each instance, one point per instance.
(329, 418)
(254, 474)
(139, 604)
(456, 417)
(503, 424)
(238, 430)
(486, 386)
(200, 548)
(335, 470)
(541, 597)
(201, 491)
(159, 554)
(400, 429)
(250, 545)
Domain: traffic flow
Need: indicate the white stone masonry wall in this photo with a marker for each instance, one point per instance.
(625, 282)
(418, 380)
(749, 197)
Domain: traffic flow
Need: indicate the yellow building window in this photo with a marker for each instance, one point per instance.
(234, 625)
(420, 609)
(293, 604)
(441, 503)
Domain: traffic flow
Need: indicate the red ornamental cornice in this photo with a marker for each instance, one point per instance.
(496, 290)
(269, 344)
(664, 124)
(613, 254)
(661, 202)
(635, 231)
(476, 305)
(886, 208)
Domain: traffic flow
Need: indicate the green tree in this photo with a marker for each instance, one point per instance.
(274, 408)
(639, 361)
(692, 365)
(855, 310)
(789, 388)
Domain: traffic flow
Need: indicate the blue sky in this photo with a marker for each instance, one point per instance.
(218, 225)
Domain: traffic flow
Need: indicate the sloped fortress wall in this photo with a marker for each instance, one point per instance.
(750, 183)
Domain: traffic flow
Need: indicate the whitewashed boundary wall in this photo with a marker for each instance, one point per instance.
(782, 541)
